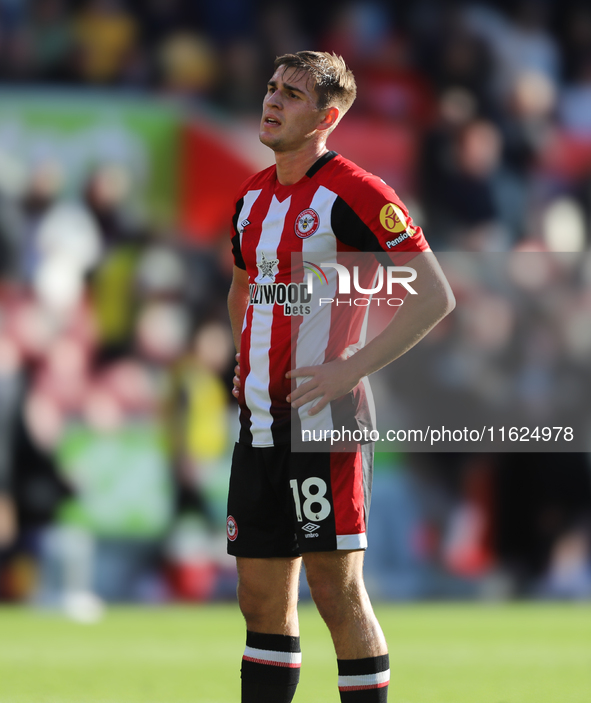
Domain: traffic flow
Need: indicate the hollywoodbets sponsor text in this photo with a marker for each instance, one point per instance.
(294, 297)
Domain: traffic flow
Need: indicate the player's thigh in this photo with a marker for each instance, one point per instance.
(268, 583)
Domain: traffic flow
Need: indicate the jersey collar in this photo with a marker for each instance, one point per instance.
(317, 165)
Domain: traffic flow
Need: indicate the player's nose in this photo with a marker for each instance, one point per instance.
(273, 99)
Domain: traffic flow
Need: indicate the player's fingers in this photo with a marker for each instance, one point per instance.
(308, 397)
(236, 383)
(303, 371)
(320, 405)
(237, 370)
(303, 388)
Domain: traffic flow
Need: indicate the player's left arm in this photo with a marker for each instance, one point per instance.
(237, 305)
(412, 321)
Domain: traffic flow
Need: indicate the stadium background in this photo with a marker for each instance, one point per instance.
(125, 128)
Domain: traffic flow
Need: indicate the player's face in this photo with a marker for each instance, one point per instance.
(290, 113)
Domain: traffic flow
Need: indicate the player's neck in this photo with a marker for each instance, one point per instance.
(292, 166)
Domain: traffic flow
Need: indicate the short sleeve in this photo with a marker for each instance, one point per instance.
(368, 215)
(235, 234)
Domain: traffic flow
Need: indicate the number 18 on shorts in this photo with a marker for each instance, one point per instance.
(282, 504)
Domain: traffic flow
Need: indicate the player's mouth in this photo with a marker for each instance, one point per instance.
(271, 121)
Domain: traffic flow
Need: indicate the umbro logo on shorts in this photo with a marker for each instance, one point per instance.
(310, 527)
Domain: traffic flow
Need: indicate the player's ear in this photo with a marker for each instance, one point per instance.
(331, 117)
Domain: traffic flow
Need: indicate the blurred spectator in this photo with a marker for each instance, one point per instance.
(355, 30)
(569, 570)
(456, 57)
(10, 390)
(51, 41)
(37, 489)
(12, 13)
(70, 248)
(392, 87)
(161, 18)
(528, 121)
(10, 222)
(19, 59)
(281, 33)
(105, 35)
(241, 84)
(575, 37)
(455, 110)
(107, 195)
(465, 182)
(198, 418)
(187, 65)
(520, 42)
(107, 198)
(198, 421)
(8, 526)
(41, 193)
(575, 100)
(229, 20)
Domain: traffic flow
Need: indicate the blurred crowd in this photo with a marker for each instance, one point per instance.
(115, 353)
(495, 95)
(116, 419)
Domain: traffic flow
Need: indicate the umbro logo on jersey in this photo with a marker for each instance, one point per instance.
(243, 225)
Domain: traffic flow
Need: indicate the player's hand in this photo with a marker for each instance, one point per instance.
(236, 379)
(327, 382)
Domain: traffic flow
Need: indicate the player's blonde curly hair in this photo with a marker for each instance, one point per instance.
(334, 83)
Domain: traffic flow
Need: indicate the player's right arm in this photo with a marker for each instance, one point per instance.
(237, 304)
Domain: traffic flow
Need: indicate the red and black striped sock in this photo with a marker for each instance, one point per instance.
(270, 668)
(364, 680)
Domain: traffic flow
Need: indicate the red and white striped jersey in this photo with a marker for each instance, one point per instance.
(336, 207)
